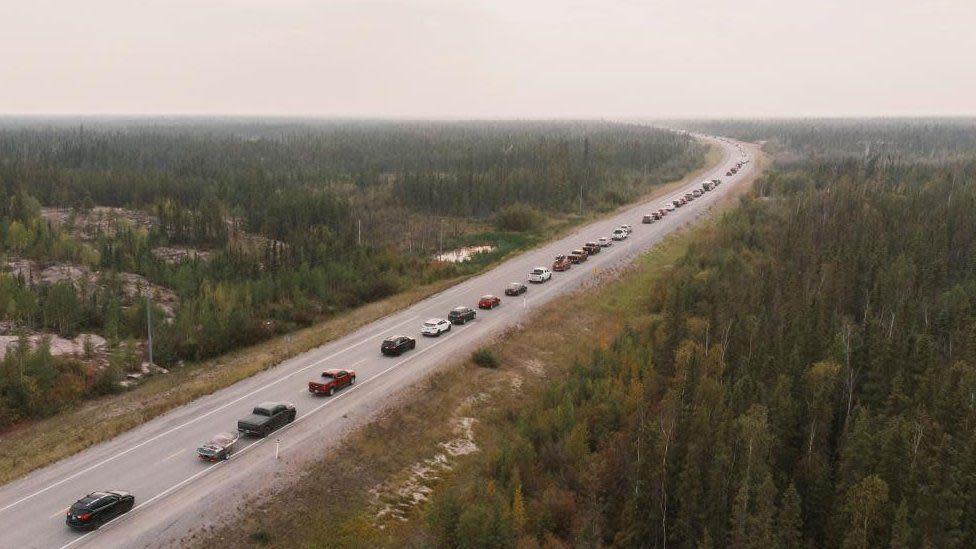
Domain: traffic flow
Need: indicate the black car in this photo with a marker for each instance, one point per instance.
(267, 417)
(460, 315)
(516, 288)
(97, 508)
(397, 345)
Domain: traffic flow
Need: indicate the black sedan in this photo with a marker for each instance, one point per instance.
(97, 508)
(397, 345)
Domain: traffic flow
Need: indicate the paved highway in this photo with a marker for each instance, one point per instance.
(175, 491)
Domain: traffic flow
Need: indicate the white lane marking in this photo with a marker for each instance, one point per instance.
(194, 420)
(259, 441)
(173, 455)
(61, 512)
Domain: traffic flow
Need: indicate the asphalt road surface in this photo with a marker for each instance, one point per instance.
(157, 462)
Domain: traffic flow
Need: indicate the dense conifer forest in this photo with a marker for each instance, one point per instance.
(807, 377)
(268, 225)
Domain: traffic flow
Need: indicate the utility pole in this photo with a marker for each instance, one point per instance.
(359, 237)
(149, 326)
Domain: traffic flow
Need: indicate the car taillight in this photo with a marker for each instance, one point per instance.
(85, 516)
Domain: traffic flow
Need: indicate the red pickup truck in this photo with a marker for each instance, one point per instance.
(332, 381)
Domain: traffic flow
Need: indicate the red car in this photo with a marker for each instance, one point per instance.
(489, 302)
(562, 263)
(332, 381)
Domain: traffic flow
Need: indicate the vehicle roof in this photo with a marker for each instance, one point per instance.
(94, 496)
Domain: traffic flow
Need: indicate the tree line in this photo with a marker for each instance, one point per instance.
(807, 380)
(275, 205)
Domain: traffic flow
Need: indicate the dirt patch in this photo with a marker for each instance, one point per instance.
(179, 254)
(100, 220)
(88, 346)
(397, 501)
(133, 286)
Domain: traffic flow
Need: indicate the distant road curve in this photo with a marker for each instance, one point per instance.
(175, 491)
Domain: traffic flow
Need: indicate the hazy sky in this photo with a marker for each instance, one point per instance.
(492, 58)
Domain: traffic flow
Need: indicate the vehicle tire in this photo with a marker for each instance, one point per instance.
(413, 344)
(331, 390)
(448, 328)
(352, 380)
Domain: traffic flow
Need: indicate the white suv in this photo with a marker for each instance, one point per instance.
(619, 234)
(435, 327)
(540, 274)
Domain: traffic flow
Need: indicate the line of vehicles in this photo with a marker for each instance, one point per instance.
(97, 508)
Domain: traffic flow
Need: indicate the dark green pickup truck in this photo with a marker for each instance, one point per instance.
(267, 417)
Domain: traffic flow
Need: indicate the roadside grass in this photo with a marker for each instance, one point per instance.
(385, 453)
(35, 444)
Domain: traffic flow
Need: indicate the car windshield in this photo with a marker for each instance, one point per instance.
(535, 271)
(430, 324)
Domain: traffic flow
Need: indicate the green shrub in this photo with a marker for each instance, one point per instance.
(485, 358)
(518, 218)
